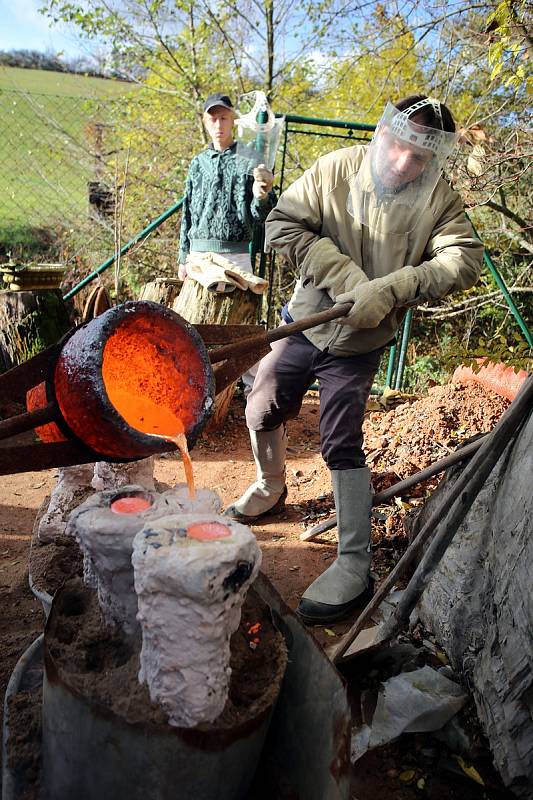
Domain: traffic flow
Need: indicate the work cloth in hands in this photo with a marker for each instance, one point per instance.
(223, 274)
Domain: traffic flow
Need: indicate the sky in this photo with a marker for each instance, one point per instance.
(23, 28)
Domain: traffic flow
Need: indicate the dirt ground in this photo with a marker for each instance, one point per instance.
(401, 437)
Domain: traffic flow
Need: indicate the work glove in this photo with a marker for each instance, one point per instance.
(327, 268)
(263, 182)
(372, 301)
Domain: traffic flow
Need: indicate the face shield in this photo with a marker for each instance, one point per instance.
(399, 171)
(258, 130)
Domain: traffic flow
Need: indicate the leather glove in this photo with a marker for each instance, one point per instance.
(372, 301)
(263, 182)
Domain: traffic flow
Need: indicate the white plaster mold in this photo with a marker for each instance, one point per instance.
(190, 598)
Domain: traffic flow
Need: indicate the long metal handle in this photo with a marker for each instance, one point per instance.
(27, 421)
(267, 337)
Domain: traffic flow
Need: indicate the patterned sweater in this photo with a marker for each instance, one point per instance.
(219, 208)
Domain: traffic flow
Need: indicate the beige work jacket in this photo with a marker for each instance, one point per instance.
(312, 229)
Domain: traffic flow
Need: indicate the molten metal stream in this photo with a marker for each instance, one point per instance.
(180, 441)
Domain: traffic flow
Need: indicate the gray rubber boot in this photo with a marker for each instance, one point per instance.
(346, 583)
(268, 492)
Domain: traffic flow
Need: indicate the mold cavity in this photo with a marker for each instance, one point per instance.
(131, 503)
(204, 531)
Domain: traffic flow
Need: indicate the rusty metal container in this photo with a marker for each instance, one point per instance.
(136, 370)
(90, 752)
(306, 754)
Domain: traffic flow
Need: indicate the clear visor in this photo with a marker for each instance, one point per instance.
(400, 170)
(258, 131)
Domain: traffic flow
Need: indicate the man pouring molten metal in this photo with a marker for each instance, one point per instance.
(377, 226)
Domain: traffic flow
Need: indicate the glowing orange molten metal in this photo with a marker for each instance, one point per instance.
(204, 531)
(130, 505)
(146, 383)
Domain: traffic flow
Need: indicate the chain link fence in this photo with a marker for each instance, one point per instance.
(52, 154)
(74, 187)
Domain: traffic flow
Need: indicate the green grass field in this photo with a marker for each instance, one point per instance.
(48, 144)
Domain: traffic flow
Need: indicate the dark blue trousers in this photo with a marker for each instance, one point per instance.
(285, 374)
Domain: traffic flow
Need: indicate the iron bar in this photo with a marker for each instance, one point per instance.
(27, 421)
(397, 489)
(406, 330)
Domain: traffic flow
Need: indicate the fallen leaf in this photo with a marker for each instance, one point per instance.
(329, 632)
(470, 771)
(421, 782)
(407, 776)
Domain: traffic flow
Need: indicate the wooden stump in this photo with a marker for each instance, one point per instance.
(162, 290)
(199, 306)
(30, 321)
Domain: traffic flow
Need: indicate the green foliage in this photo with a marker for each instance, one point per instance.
(320, 60)
(510, 46)
(512, 350)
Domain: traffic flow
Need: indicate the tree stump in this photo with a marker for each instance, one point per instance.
(162, 290)
(199, 306)
(30, 321)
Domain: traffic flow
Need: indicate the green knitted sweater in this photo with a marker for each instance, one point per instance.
(219, 208)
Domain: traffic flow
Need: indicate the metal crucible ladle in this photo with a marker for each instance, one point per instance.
(114, 388)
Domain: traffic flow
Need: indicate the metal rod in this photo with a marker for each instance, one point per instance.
(399, 488)
(329, 123)
(257, 342)
(330, 135)
(125, 249)
(27, 421)
(504, 290)
(391, 367)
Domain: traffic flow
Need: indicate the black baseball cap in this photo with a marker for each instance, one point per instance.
(218, 99)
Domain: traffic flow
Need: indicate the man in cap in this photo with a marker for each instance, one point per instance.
(222, 201)
(377, 226)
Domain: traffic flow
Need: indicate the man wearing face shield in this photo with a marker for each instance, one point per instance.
(377, 226)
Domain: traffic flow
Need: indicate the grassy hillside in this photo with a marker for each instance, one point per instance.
(38, 81)
(48, 146)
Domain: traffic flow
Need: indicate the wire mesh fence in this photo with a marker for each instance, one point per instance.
(50, 156)
(72, 183)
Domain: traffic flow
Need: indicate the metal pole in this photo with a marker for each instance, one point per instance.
(505, 291)
(329, 123)
(127, 247)
(406, 330)
(391, 367)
